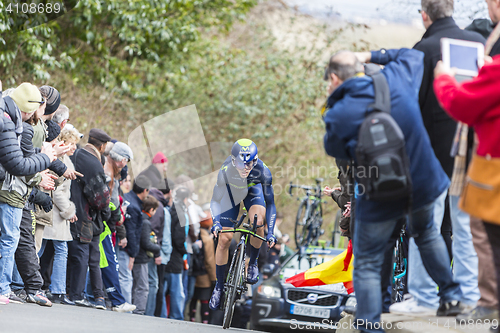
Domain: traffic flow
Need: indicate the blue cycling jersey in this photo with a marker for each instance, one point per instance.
(237, 189)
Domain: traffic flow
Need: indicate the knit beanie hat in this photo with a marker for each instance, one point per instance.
(123, 150)
(53, 130)
(27, 97)
(160, 158)
(53, 99)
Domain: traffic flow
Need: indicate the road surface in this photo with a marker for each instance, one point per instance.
(30, 318)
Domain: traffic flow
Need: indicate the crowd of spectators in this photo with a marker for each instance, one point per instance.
(75, 230)
(450, 131)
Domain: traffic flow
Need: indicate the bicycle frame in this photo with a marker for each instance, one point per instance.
(235, 284)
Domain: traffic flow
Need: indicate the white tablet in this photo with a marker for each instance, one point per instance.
(463, 55)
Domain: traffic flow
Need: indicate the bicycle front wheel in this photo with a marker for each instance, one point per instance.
(233, 284)
(301, 225)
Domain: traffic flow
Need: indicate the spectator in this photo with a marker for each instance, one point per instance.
(11, 157)
(64, 213)
(133, 225)
(126, 184)
(40, 133)
(157, 225)
(149, 249)
(44, 219)
(166, 251)
(61, 116)
(18, 107)
(286, 251)
(156, 172)
(205, 277)
(476, 103)
(68, 126)
(488, 302)
(119, 155)
(195, 214)
(342, 197)
(53, 99)
(436, 16)
(27, 266)
(90, 195)
(175, 266)
(351, 93)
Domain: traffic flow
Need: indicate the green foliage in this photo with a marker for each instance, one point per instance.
(112, 37)
(126, 61)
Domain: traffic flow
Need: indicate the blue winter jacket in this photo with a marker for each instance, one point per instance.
(347, 106)
(133, 223)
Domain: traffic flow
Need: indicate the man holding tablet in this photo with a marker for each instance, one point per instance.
(438, 21)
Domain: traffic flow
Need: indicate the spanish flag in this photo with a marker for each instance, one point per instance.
(337, 270)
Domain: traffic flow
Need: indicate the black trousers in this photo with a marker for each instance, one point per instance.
(493, 231)
(160, 296)
(446, 229)
(46, 264)
(80, 257)
(26, 256)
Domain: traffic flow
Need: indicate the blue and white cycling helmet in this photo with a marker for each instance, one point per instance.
(244, 154)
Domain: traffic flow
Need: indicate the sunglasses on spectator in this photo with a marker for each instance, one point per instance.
(41, 103)
(420, 11)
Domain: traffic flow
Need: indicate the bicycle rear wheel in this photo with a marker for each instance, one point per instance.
(316, 224)
(234, 282)
(301, 225)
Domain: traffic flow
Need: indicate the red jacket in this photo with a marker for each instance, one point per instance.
(476, 103)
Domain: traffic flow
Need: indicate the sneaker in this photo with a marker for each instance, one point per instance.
(21, 293)
(4, 300)
(252, 274)
(66, 301)
(479, 313)
(214, 303)
(100, 303)
(61, 299)
(49, 294)
(409, 306)
(39, 298)
(449, 309)
(125, 307)
(83, 302)
(13, 298)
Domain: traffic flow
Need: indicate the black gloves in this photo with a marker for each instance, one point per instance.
(42, 199)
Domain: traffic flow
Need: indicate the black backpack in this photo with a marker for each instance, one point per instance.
(383, 167)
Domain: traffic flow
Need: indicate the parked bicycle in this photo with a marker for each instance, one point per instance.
(309, 215)
(235, 285)
(399, 268)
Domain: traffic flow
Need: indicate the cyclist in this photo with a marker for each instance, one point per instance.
(243, 176)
